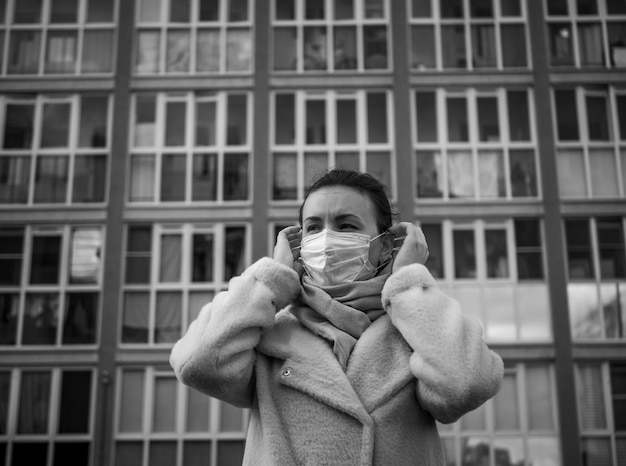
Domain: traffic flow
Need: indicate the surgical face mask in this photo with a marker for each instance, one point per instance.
(331, 257)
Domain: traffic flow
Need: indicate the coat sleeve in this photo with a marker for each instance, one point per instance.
(216, 356)
(455, 369)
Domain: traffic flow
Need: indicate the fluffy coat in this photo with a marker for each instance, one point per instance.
(423, 360)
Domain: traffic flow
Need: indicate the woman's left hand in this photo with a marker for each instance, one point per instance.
(287, 248)
(414, 248)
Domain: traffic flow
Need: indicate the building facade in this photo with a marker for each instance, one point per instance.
(150, 150)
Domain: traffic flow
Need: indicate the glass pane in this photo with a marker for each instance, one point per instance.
(611, 248)
(453, 46)
(145, 120)
(75, 402)
(236, 176)
(208, 50)
(458, 130)
(23, 57)
(230, 453)
(285, 46)
(523, 173)
(41, 317)
(51, 179)
(421, 9)
(55, 125)
(169, 311)
(435, 249)
(571, 172)
(180, 12)
(347, 161)
(148, 55)
(451, 8)
(63, 11)
(560, 35)
(231, 419)
(9, 309)
(345, 48)
(464, 254)
(100, 11)
(597, 118)
(175, 123)
(93, 121)
(315, 48)
(499, 313)
(209, 10)
(285, 9)
(510, 8)
(30, 453)
(314, 165)
(196, 301)
(460, 175)
(238, 50)
(285, 120)
(170, 258)
(206, 123)
(196, 453)
(164, 404)
(346, 121)
(584, 311)
(162, 453)
(238, 11)
(610, 299)
(617, 43)
(45, 260)
(488, 126)
(615, 7)
(204, 182)
(374, 9)
(481, 9)
(202, 266)
(590, 44)
(11, 254)
(5, 391)
(579, 250)
(138, 254)
(475, 420)
(135, 323)
(597, 451)
(587, 7)
(513, 40)
(285, 176)
(519, 120)
(621, 114)
(313, 9)
(34, 404)
(426, 110)
(235, 255)
(475, 451)
(377, 118)
(496, 251)
(539, 392)
(375, 47)
(130, 411)
(128, 453)
(315, 122)
(430, 176)
(18, 126)
(590, 394)
(71, 452)
(142, 173)
(89, 178)
(237, 124)
(491, 174)
(85, 262)
(149, 10)
(198, 411)
(14, 179)
(27, 11)
(603, 170)
(97, 52)
(506, 404)
(81, 317)
(423, 47)
(379, 166)
(173, 179)
(484, 51)
(61, 52)
(535, 320)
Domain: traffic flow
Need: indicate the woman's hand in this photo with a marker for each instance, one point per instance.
(287, 249)
(413, 247)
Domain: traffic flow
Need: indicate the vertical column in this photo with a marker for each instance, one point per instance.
(557, 274)
(402, 109)
(260, 152)
(105, 401)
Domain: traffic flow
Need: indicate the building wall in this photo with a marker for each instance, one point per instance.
(150, 150)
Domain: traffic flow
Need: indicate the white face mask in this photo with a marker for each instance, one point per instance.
(331, 257)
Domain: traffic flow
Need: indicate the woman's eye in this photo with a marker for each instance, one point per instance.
(312, 228)
(348, 226)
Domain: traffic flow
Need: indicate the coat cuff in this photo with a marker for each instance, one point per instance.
(283, 281)
(406, 278)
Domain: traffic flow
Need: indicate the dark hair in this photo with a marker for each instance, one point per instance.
(361, 182)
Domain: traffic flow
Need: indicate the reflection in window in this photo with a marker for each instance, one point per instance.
(464, 254)
(579, 252)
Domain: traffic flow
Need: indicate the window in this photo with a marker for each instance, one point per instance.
(53, 412)
(177, 425)
(474, 145)
(314, 131)
(596, 257)
(602, 410)
(171, 272)
(60, 166)
(496, 271)
(591, 149)
(517, 426)
(58, 37)
(190, 147)
(50, 285)
(345, 35)
(589, 33)
(488, 34)
(193, 37)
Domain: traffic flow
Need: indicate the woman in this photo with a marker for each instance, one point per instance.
(345, 350)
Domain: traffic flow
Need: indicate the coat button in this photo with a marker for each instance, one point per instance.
(286, 371)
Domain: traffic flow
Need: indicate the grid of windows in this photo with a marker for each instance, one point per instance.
(596, 259)
(518, 426)
(324, 35)
(46, 416)
(587, 33)
(55, 148)
(495, 269)
(474, 144)
(50, 283)
(193, 36)
(468, 34)
(590, 125)
(190, 147)
(53, 37)
(601, 392)
(314, 131)
(172, 271)
(173, 424)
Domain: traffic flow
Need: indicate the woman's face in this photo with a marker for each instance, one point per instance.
(342, 209)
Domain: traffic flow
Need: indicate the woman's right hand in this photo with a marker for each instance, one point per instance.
(287, 248)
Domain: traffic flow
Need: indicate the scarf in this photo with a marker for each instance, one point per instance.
(340, 313)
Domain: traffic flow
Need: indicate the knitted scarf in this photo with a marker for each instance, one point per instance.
(340, 313)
